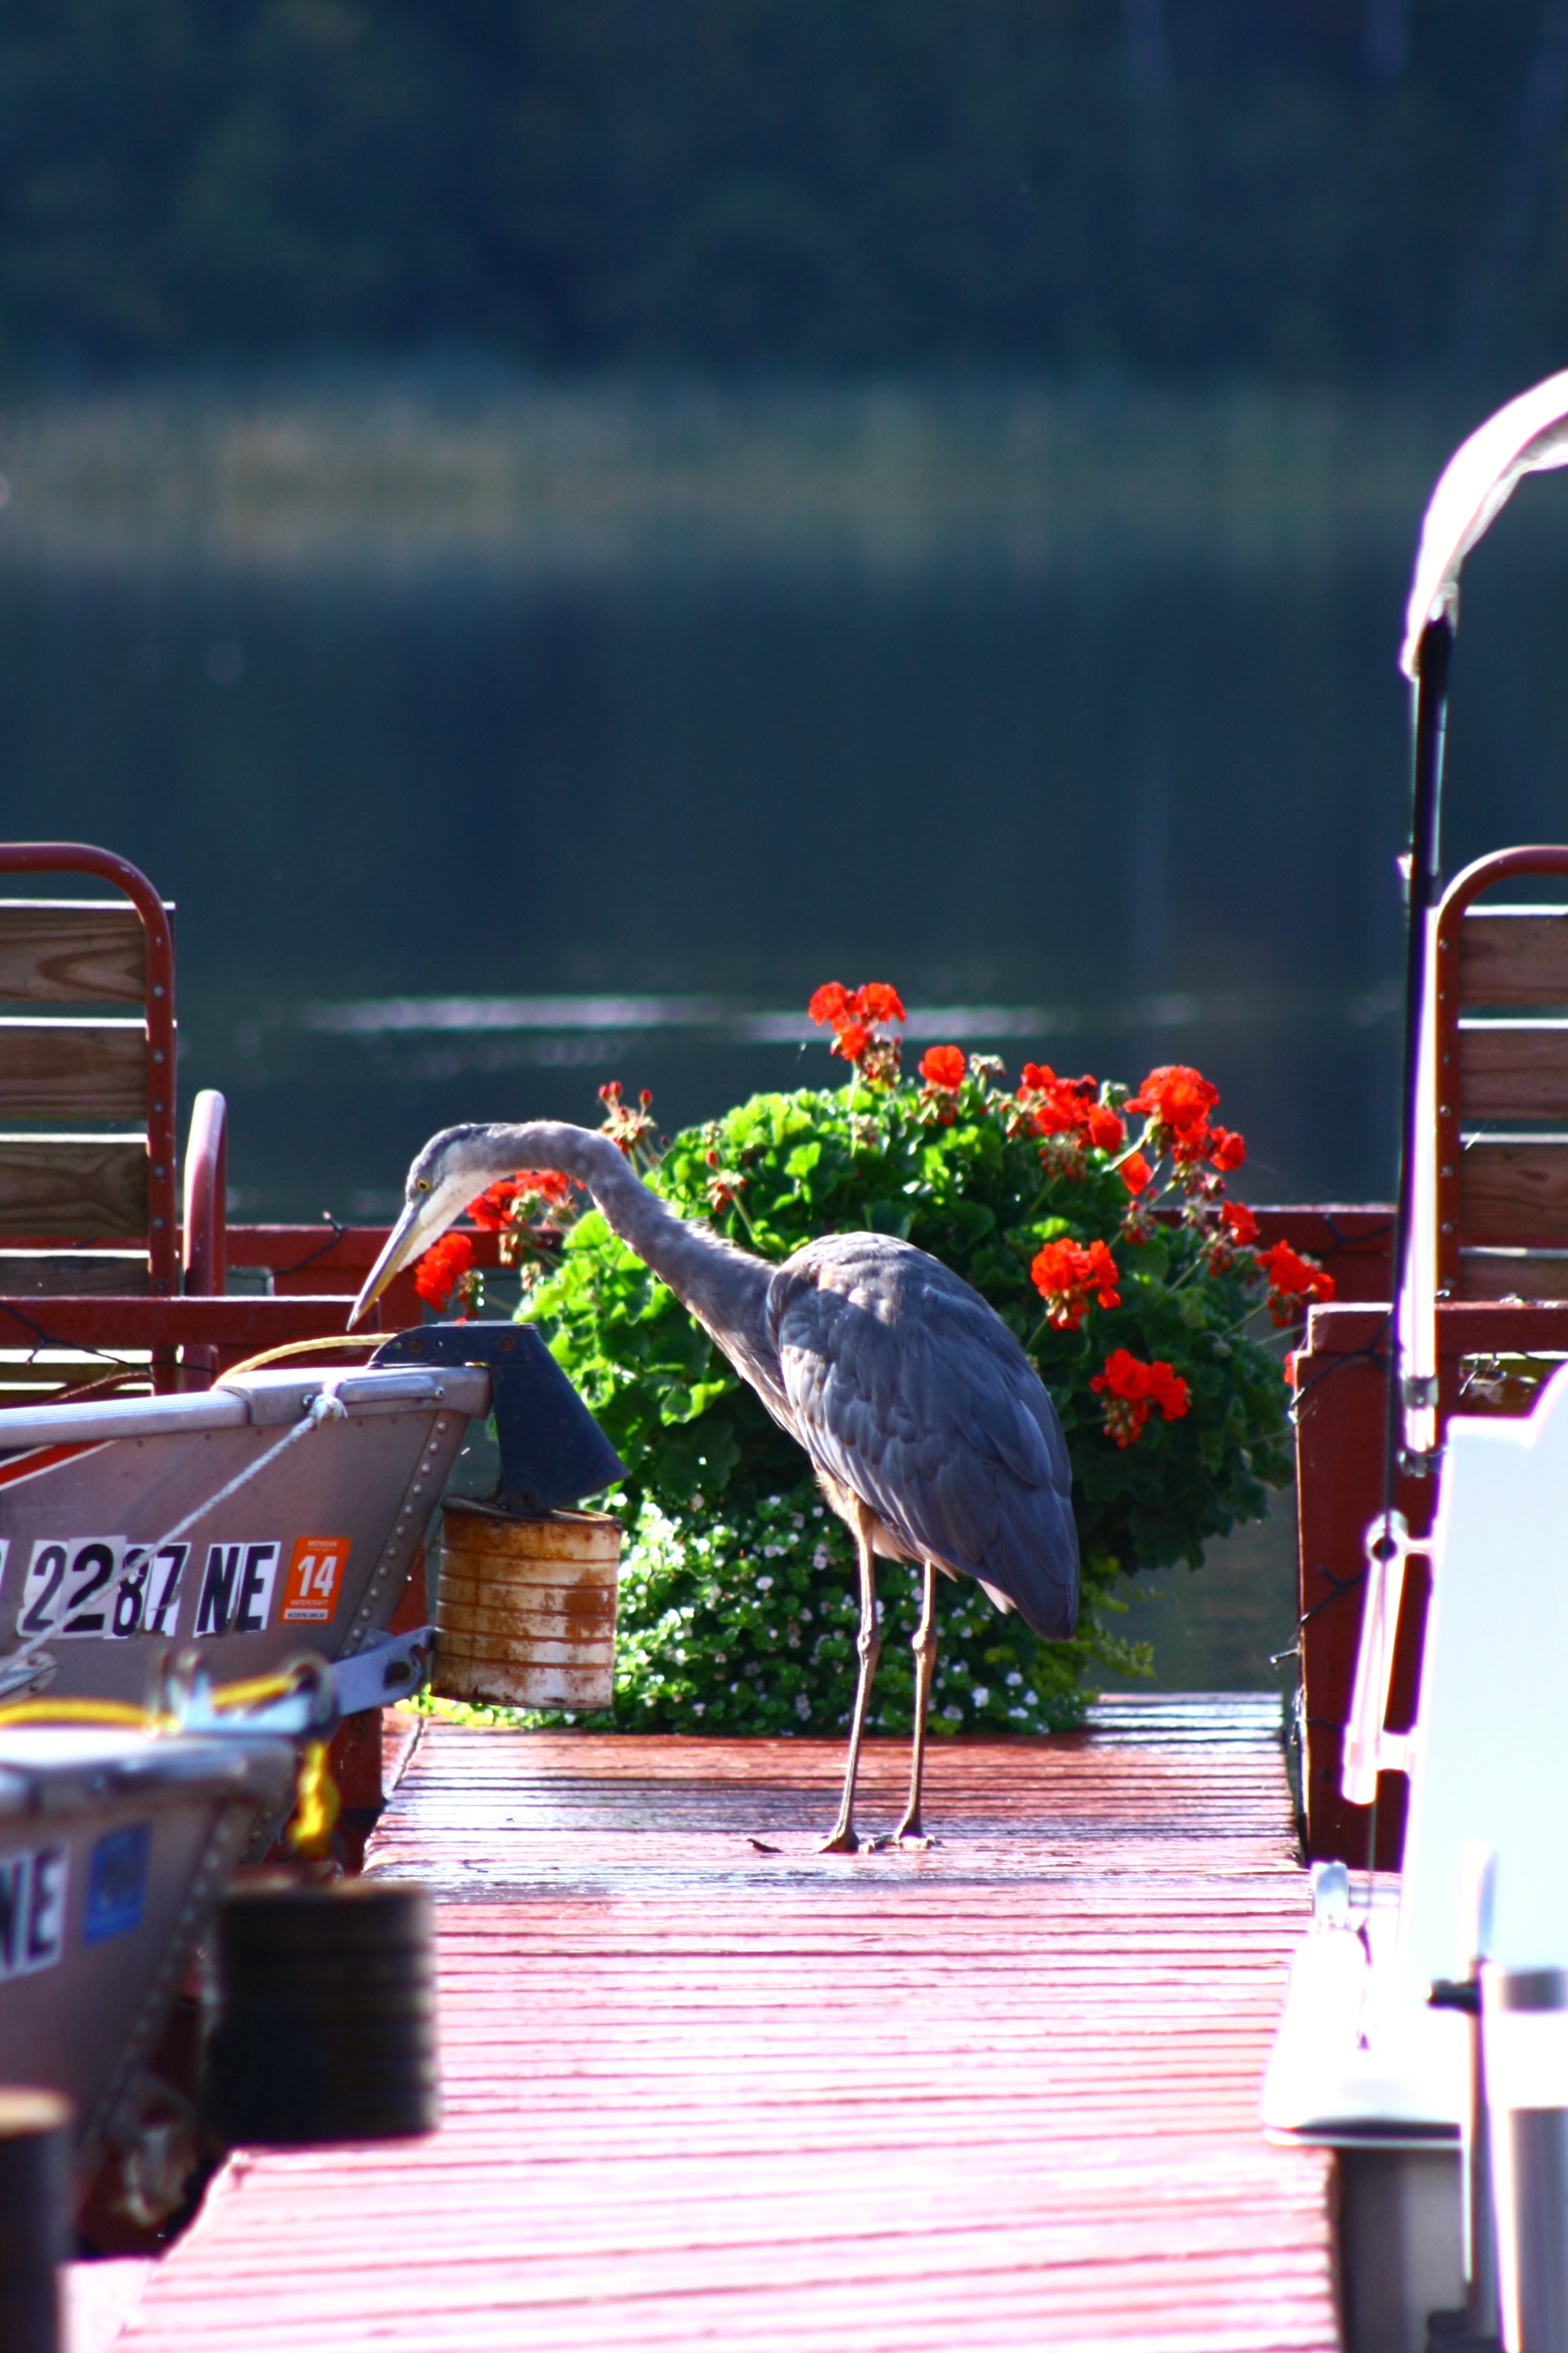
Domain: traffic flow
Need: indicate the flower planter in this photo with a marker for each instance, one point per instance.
(526, 1609)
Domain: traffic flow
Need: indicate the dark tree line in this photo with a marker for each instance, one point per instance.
(1329, 189)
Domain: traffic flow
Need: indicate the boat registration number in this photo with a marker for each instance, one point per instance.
(32, 1910)
(100, 1588)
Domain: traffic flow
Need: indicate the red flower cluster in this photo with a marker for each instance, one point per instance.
(854, 1016)
(942, 1068)
(497, 1206)
(445, 1273)
(1294, 1282)
(1176, 1101)
(1069, 1107)
(1067, 1275)
(1131, 1390)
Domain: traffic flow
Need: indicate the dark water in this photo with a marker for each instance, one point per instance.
(1159, 805)
(1157, 802)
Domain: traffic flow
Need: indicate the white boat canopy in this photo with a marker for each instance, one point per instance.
(1528, 437)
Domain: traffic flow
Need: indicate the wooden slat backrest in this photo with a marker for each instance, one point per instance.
(84, 1188)
(64, 1073)
(1514, 955)
(73, 1070)
(69, 952)
(1502, 1085)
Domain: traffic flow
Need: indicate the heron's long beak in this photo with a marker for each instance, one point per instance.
(422, 1222)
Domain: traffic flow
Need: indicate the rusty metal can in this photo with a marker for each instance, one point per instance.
(526, 1609)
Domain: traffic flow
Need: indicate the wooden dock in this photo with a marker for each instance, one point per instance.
(999, 2094)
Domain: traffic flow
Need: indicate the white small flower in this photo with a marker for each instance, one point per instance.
(1014, 1679)
(697, 1706)
(802, 1706)
(953, 1715)
(980, 1694)
(764, 1584)
(1031, 1699)
(820, 1557)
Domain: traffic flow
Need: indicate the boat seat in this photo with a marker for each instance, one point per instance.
(1502, 1092)
(88, 1175)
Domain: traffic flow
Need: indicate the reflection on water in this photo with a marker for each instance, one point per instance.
(462, 841)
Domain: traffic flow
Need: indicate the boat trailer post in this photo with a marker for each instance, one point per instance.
(1410, 1431)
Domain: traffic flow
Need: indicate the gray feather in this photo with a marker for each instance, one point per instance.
(906, 1388)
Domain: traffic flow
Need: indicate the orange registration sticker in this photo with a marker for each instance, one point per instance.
(315, 1574)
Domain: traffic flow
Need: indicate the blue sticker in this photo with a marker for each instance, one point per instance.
(117, 1883)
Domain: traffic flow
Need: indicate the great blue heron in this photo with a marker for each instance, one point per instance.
(929, 1432)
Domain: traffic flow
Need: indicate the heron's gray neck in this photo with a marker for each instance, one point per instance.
(725, 1288)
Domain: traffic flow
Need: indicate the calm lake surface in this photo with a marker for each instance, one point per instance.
(1102, 808)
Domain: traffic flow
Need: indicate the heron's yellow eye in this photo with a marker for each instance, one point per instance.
(422, 1184)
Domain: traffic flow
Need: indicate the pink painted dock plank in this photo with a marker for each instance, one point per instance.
(1003, 2095)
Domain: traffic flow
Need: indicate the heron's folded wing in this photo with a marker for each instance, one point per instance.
(933, 1416)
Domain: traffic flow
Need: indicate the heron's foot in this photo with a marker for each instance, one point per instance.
(761, 1845)
(913, 1841)
(842, 1841)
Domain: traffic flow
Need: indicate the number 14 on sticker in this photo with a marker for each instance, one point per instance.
(315, 1578)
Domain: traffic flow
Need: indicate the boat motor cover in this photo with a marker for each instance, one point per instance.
(552, 1451)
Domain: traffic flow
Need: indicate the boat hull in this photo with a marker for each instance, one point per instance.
(243, 1524)
(115, 1848)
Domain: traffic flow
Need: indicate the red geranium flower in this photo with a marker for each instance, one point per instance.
(855, 1016)
(491, 1212)
(1238, 1221)
(1179, 1097)
(1294, 1282)
(1132, 1389)
(1226, 1150)
(1067, 1274)
(443, 1271)
(879, 1001)
(496, 1206)
(1135, 1173)
(829, 1004)
(1104, 1130)
(943, 1066)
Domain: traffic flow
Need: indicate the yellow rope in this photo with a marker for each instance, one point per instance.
(254, 1688)
(121, 1712)
(82, 1711)
(316, 1803)
(306, 1348)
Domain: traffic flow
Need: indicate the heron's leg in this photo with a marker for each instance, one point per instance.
(910, 1832)
(867, 1643)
